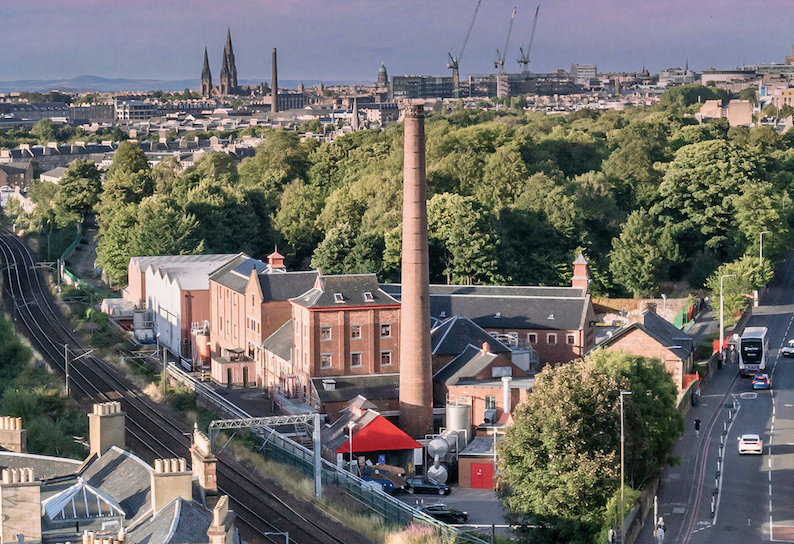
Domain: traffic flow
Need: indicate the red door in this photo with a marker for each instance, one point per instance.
(482, 475)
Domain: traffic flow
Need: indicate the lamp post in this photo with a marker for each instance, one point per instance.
(350, 426)
(664, 305)
(761, 249)
(622, 478)
(722, 310)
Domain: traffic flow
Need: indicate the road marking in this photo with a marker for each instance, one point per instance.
(770, 494)
(722, 473)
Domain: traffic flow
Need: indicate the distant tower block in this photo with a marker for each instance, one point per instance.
(274, 86)
(416, 379)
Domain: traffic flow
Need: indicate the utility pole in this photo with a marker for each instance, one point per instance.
(66, 365)
(622, 477)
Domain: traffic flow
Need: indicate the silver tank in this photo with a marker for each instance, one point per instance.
(459, 420)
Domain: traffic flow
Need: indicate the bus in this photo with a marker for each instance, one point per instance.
(753, 348)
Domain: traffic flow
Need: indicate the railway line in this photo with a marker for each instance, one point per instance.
(154, 435)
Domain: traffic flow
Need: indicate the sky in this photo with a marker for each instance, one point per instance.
(346, 40)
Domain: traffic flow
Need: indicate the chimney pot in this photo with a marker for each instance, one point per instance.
(486, 348)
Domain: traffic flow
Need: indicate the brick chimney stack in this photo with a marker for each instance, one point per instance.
(274, 86)
(12, 436)
(222, 530)
(20, 505)
(416, 380)
(204, 463)
(106, 427)
(170, 479)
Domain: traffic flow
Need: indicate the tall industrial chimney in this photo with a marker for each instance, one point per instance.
(416, 377)
(274, 86)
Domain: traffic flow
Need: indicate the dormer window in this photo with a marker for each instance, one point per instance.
(368, 296)
(339, 298)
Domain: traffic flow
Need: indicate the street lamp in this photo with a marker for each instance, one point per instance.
(350, 426)
(761, 252)
(622, 478)
(722, 310)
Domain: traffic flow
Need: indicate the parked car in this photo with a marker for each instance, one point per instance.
(788, 349)
(386, 484)
(761, 381)
(750, 443)
(445, 513)
(422, 485)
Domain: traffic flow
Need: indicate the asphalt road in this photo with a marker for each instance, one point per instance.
(756, 498)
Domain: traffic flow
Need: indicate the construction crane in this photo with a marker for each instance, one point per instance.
(500, 58)
(453, 61)
(523, 60)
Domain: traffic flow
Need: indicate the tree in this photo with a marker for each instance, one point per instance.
(462, 237)
(296, 218)
(737, 291)
(44, 131)
(652, 418)
(560, 457)
(636, 262)
(334, 255)
(751, 94)
(78, 190)
(312, 125)
(698, 192)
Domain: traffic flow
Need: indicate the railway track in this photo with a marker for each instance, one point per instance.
(154, 435)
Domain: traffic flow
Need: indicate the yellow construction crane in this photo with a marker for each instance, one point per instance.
(523, 60)
(453, 60)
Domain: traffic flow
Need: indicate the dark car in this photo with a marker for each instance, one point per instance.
(421, 485)
(386, 484)
(445, 513)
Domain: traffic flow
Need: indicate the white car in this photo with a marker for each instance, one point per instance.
(788, 349)
(750, 443)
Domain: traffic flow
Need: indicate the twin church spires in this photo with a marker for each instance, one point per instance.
(228, 79)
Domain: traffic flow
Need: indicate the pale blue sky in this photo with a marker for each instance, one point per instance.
(347, 39)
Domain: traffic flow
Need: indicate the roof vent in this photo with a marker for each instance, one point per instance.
(551, 316)
(339, 298)
(329, 385)
(368, 296)
(498, 315)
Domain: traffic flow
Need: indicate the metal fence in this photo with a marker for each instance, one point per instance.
(280, 449)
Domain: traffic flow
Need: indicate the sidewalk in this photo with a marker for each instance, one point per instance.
(677, 482)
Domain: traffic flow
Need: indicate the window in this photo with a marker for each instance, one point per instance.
(252, 301)
(305, 331)
(570, 339)
(235, 330)
(368, 296)
(385, 330)
(355, 359)
(490, 403)
(339, 298)
(355, 331)
(220, 325)
(325, 333)
(385, 358)
(551, 338)
(532, 338)
(234, 300)
(325, 360)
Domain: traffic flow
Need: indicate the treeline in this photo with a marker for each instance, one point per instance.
(649, 195)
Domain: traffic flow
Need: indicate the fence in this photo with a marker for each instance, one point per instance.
(281, 449)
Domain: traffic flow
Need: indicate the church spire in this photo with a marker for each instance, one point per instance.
(206, 76)
(228, 78)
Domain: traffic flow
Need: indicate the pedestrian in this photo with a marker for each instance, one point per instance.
(697, 434)
(660, 535)
(611, 536)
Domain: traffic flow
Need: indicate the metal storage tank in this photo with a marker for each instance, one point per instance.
(459, 419)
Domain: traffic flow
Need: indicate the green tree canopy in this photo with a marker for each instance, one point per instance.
(78, 190)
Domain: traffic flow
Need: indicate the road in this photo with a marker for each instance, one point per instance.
(756, 498)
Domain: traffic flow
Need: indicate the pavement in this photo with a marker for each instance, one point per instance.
(678, 488)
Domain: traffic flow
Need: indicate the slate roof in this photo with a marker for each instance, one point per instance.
(58, 172)
(285, 285)
(372, 386)
(193, 275)
(453, 335)
(351, 287)
(179, 522)
(280, 342)
(235, 273)
(8, 169)
(466, 365)
(660, 330)
(505, 307)
(124, 477)
(163, 261)
(334, 435)
(44, 466)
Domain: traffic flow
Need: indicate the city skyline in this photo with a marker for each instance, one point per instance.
(348, 40)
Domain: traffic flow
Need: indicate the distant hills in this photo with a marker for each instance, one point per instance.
(82, 84)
